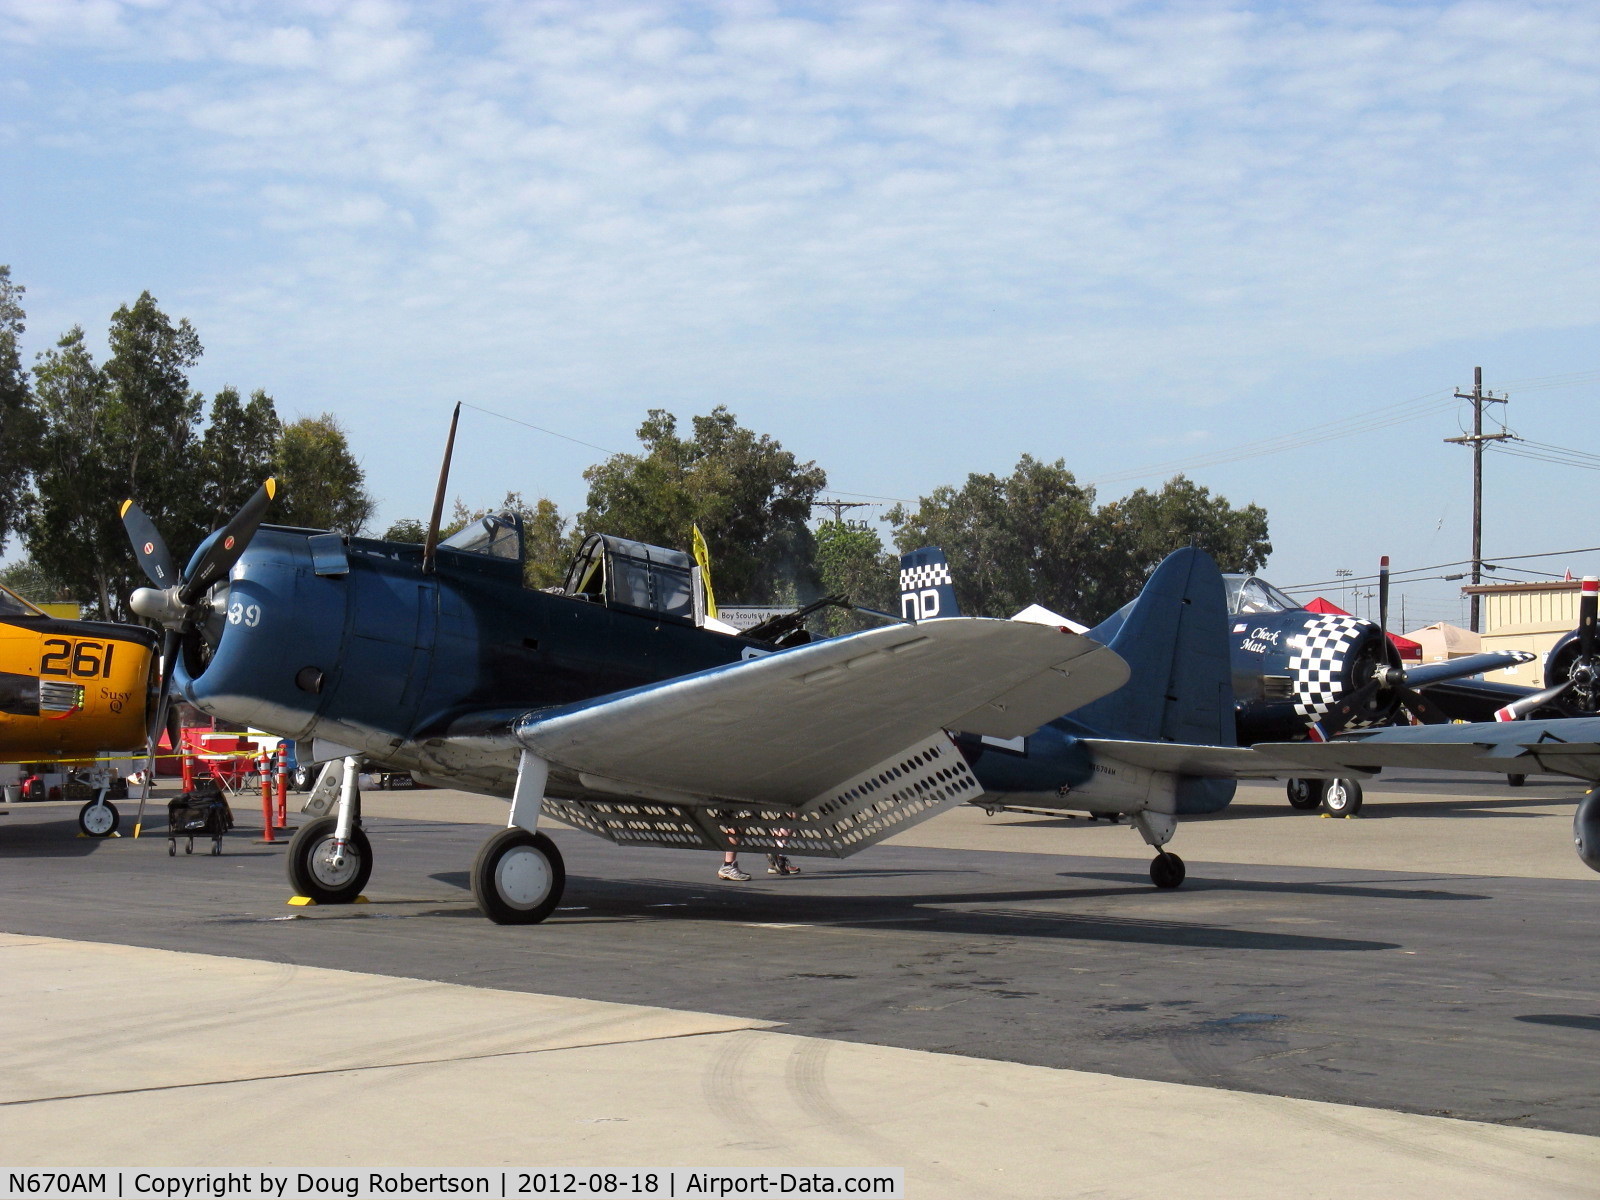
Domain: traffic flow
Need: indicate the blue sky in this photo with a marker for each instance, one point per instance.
(910, 240)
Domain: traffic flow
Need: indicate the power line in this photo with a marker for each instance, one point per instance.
(1367, 422)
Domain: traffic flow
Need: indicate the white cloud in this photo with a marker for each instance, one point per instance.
(980, 202)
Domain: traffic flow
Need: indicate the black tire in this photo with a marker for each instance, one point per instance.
(1342, 798)
(98, 820)
(303, 779)
(1516, 780)
(311, 874)
(1305, 794)
(172, 847)
(518, 877)
(1167, 870)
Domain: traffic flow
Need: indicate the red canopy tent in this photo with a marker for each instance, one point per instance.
(1409, 651)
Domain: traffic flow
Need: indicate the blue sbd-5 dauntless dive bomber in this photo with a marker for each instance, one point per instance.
(613, 704)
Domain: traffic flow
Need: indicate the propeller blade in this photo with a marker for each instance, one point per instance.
(1420, 707)
(1518, 709)
(228, 545)
(148, 546)
(157, 720)
(1383, 595)
(1347, 707)
(1588, 605)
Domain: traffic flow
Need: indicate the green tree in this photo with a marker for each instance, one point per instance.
(152, 417)
(1037, 537)
(1144, 527)
(27, 580)
(323, 486)
(236, 454)
(72, 530)
(110, 433)
(1011, 542)
(851, 559)
(407, 529)
(19, 418)
(748, 495)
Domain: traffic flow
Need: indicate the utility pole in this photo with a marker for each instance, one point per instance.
(838, 507)
(1479, 398)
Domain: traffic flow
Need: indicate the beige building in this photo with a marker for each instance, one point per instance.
(1526, 616)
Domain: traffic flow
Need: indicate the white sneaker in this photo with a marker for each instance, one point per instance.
(730, 871)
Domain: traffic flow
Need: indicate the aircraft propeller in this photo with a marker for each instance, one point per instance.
(177, 603)
(1387, 687)
(1583, 672)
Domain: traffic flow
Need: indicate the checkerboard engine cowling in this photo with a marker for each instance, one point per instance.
(1316, 662)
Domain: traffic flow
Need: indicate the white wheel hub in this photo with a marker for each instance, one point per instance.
(97, 820)
(523, 877)
(333, 873)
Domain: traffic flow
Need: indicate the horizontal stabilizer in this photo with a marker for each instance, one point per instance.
(1204, 762)
(1561, 747)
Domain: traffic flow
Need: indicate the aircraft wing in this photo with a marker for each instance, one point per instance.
(783, 729)
(1562, 747)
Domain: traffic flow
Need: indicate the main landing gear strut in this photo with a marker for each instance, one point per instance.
(518, 877)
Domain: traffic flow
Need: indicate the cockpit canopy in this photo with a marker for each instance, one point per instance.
(13, 605)
(1247, 594)
(497, 536)
(626, 574)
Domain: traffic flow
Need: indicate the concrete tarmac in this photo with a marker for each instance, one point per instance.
(665, 1020)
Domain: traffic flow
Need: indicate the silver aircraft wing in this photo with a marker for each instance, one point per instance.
(1562, 747)
(783, 729)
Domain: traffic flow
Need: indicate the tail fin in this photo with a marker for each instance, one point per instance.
(926, 590)
(1175, 639)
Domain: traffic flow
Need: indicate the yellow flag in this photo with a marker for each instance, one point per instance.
(703, 557)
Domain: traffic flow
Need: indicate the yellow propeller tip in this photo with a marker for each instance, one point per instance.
(126, 505)
(272, 489)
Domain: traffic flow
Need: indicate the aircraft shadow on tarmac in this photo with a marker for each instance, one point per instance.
(46, 839)
(933, 912)
(1564, 1020)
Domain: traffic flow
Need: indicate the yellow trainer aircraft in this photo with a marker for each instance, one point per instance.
(73, 690)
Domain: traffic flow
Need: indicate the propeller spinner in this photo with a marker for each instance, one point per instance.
(1386, 689)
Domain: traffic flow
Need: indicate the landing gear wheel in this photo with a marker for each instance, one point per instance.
(1516, 780)
(1343, 798)
(1305, 794)
(312, 871)
(1166, 870)
(518, 877)
(302, 778)
(98, 820)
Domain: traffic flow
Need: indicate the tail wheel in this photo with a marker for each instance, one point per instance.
(1305, 794)
(1167, 870)
(313, 871)
(98, 820)
(518, 877)
(1343, 798)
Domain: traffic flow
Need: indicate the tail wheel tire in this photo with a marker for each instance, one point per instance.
(518, 877)
(1343, 798)
(302, 778)
(98, 820)
(1167, 870)
(1304, 794)
(312, 870)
